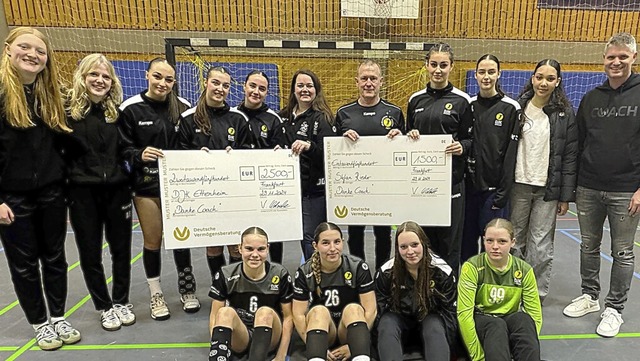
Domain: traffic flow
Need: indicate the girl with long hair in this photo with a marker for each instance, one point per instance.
(498, 305)
(492, 159)
(441, 108)
(307, 120)
(33, 216)
(251, 309)
(416, 294)
(546, 168)
(99, 193)
(265, 125)
(213, 125)
(148, 123)
(334, 304)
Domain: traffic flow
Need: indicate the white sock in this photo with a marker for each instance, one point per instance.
(36, 327)
(56, 319)
(154, 285)
(316, 359)
(361, 358)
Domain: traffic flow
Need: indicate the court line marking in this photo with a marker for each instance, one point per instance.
(605, 228)
(84, 300)
(69, 269)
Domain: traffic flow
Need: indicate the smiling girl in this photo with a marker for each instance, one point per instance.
(334, 304)
(251, 309)
(99, 194)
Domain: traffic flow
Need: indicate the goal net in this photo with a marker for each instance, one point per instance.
(331, 38)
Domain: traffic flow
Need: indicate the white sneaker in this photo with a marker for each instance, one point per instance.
(610, 324)
(581, 306)
(159, 308)
(126, 316)
(47, 338)
(190, 303)
(109, 320)
(66, 332)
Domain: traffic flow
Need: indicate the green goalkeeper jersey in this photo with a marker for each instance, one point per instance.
(486, 290)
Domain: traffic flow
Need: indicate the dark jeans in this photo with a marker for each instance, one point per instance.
(511, 336)
(478, 211)
(92, 209)
(394, 330)
(314, 212)
(36, 238)
(445, 241)
(382, 242)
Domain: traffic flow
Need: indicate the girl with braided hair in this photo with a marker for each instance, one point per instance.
(416, 293)
(334, 304)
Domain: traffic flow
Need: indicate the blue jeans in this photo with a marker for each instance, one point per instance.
(314, 212)
(593, 207)
(534, 224)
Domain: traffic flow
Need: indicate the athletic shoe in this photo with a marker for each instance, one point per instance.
(47, 338)
(110, 320)
(159, 308)
(610, 324)
(190, 303)
(66, 332)
(126, 316)
(581, 306)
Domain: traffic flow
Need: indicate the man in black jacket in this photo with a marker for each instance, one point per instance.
(609, 182)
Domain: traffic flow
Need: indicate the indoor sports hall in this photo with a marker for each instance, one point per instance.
(331, 37)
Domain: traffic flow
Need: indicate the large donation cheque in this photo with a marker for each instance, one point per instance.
(382, 181)
(210, 198)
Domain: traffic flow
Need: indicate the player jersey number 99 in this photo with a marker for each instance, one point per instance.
(496, 295)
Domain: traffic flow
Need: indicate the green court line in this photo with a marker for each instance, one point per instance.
(142, 346)
(8, 348)
(586, 336)
(30, 345)
(69, 269)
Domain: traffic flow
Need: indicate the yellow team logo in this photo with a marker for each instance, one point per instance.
(264, 128)
(275, 280)
(181, 235)
(432, 284)
(517, 274)
(231, 131)
(499, 116)
(448, 106)
(387, 122)
(341, 212)
(348, 275)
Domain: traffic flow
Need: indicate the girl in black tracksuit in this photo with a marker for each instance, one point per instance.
(148, 123)
(492, 159)
(265, 125)
(443, 109)
(416, 294)
(33, 217)
(99, 193)
(213, 125)
(307, 120)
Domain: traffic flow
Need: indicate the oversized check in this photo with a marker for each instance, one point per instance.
(210, 198)
(382, 181)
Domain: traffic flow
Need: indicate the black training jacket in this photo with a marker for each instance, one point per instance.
(443, 111)
(378, 119)
(609, 137)
(265, 126)
(492, 159)
(563, 152)
(30, 158)
(312, 127)
(229, 128)
(144, 122)
(100, 163)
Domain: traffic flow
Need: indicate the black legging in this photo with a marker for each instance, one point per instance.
(394, 330)
(509, 337)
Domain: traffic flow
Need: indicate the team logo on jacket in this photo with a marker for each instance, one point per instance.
(304, 129)
(231, 134)
(275, 280)
(498, 121)
(387, 122)
(264, 131)
(517, 278)
(348, 277)
(447, 109)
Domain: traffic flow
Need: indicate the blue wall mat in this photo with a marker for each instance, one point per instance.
(576, 83)
(132, 76)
